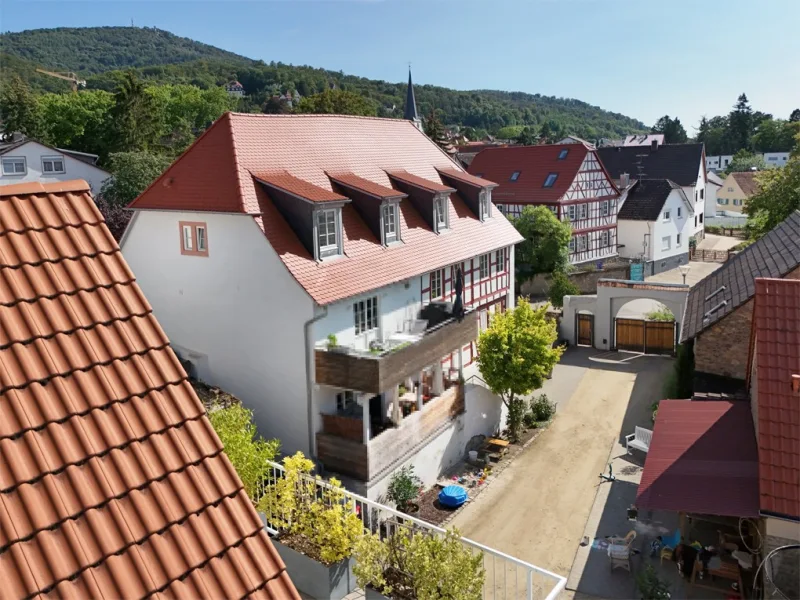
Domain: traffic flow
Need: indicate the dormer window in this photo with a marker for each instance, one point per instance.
(551, 179)
(485, 199)
(515, 176)
(563, 154)
(327, 223)
(390, 223)
(440, 216)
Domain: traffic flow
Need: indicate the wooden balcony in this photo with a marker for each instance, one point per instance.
(378, 373)
(366, 462)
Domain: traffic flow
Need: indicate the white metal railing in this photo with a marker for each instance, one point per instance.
(506, 577)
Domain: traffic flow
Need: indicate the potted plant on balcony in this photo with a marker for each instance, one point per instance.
(418, 565)
(317, 529)
(404, 488)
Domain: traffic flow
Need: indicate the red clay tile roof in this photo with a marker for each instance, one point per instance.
(534, 164)
(216, 174)
(702, 459)
(776, 326)
(420, 182)
(286, 182)
(112, 482)
(747, 182)
(467, 178)
(366, 186)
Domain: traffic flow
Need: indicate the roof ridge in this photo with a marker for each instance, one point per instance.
(399, 121)
(31, 188)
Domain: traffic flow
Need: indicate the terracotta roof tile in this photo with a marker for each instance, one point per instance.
(747, 182)
(216, 174)
(112, 482)
(776, 326)
(298, 187)
(366, 186)
(466, 178)
(420, 182)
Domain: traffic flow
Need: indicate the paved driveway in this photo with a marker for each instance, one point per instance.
(537, 509)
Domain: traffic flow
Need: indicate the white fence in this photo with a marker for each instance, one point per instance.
(507, 578)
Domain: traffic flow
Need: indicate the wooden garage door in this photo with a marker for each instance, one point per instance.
(630, 335)
(659, 337)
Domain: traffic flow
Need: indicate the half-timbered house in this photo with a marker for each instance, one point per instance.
(310, 264)
(567, 178)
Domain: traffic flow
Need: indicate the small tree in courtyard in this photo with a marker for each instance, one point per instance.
(546, 245)
(515, 354)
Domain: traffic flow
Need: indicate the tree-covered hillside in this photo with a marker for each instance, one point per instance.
(100, 54)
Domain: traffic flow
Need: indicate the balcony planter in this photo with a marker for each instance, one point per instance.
(312, 577)
(371, 594)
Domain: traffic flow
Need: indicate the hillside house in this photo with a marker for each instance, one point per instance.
(719, 310)
(735, 190)
(234, 88)
(654, 225)
(26, 160)
(568, 179)
(682, 163)
(305, 263)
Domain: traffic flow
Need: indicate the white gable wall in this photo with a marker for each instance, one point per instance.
(693, 194)
(33, 152)
(237, 314)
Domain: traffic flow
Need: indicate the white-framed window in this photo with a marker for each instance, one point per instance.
(605, 237)
(440, 213)
(571, 212)
(666, 215)
(194, 238)
(500, 257)
(584, 211)
(327, 225)
(604, 208)
(200, 234)
(551, 179)
(678, 240)
(553, 209)
(188, 239)
(15, 166)
(391, 224)
(730, 189)
(572, 244)
(737, 202)
(483, 266)
(582, 243)
(679, 212)
(53, 164)
(666, 243)
(485, 201)
(515, 176)
(436, 283)
(344, 400)
(365, 315)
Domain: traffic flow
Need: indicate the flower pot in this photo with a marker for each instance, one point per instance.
(372, 594)
(322, 582)
(410, 508)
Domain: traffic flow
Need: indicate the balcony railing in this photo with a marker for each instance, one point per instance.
(340, 444)
(378, 372)
(506, 577)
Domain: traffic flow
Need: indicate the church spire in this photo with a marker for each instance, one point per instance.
(411, 102)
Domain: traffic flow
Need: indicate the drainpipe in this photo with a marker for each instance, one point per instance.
(310, 379)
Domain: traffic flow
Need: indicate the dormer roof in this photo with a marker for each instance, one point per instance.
(297, 187)
(366, 186)
(428, 185)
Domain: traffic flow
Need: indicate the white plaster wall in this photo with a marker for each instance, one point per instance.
(783, 528)
(237, 314)
(632, 234)
(675, 225)
(699, 206)
(75, 169)
(572, 306)
(710, 208)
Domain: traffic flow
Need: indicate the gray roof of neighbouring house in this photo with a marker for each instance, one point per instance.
(679, 162)
(734, 283)
(646, 199)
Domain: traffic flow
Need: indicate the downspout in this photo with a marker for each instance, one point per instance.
(310, 380)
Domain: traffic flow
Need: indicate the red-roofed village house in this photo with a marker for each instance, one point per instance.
(294, 259)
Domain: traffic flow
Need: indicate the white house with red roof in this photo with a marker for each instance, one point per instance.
(310, 265)
(569, 179)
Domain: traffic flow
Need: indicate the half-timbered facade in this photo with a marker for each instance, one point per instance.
(321, 288)
(567, 178)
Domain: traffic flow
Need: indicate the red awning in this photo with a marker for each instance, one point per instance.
(703, 459)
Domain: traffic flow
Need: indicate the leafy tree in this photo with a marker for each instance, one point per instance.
(561, 286)
(510, 132)
(515, 353)
(337, 102)
(775, 135)
(746, 161)
(546, 245)
(777, 197)
(673, 131)
(248, 452)
(795, 116)
(528, 137)
(18, 108)
(434, 129)
(134, 116)
(77, 121)
(741, 122)
(275, 106)
(131, 172)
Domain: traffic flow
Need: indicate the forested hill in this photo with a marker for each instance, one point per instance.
(99, 53)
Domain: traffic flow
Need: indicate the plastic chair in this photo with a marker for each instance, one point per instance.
(670, 544)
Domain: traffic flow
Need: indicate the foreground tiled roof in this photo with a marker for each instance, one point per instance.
(777, 357)
(112, 482)
(218, 174)
(534, 164)
(774, 255)
(646, 199)
(747, 182)
(681, 163)
(702, 459)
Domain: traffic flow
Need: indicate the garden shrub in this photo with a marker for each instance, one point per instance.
(542, 409)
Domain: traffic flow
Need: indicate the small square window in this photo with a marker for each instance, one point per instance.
(53, 164)
(436, 284)
(665, 243)
(666, 215)
(501, 260)
(515, 176)
(563, 154)
(551, 179)
(194, 238)
(483, 266)
(14, 166)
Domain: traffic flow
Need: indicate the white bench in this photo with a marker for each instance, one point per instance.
(640, 440)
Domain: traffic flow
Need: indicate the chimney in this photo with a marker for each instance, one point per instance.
(624, 180)
(654, 145)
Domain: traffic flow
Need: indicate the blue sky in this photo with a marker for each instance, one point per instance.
(642, 58)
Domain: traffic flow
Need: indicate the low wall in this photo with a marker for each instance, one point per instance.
(585, 280)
